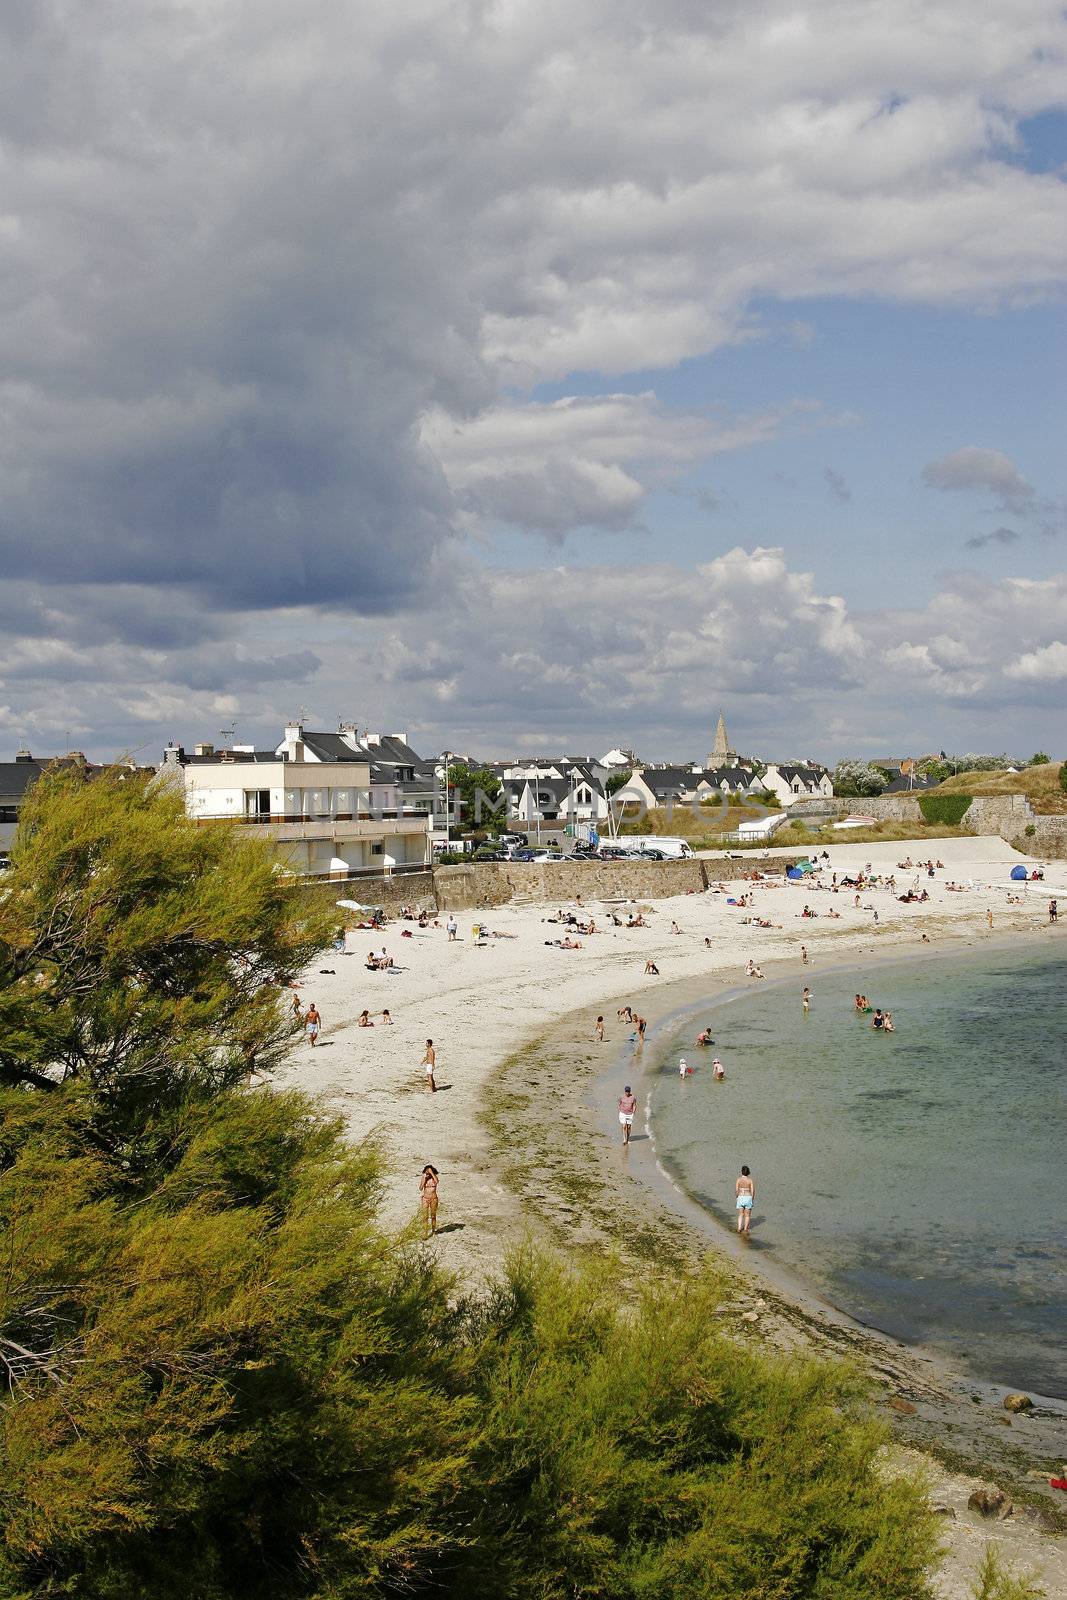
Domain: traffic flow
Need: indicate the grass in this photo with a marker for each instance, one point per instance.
(700, 826)
(1040, 785)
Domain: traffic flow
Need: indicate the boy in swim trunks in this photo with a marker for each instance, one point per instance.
(745, 1190)
(627, 1107)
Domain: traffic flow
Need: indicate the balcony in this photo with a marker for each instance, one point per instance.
(291, 829)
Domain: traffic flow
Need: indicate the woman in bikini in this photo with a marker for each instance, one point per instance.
(428, 1199)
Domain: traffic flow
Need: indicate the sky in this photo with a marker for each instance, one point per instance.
(525, 376)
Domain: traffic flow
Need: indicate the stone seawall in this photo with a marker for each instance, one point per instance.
(409, 888)
(496, 883)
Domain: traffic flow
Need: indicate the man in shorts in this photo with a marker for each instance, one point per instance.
(312, 1022)
(627, 1107)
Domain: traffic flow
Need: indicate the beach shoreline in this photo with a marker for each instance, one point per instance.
(517, 1143)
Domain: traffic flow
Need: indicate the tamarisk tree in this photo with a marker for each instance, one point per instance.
(141, 954)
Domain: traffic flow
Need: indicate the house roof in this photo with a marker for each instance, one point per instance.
(230, 758)
(789, 771)
(18, 776)
(332, 747)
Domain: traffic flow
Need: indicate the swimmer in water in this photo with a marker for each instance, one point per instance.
(718, 1069)
(805, 1000)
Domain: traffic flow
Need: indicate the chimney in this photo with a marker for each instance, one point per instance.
(372, 740)
(174, 754)
(294, 741)
(203, 749)
(350, 734)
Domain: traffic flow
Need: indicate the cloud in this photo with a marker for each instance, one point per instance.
(588, 460)
(837, 488)
(1003, 536)
(987, 471)
(1047, 665)
(243, 262)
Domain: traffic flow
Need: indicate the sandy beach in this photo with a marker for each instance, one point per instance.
(509, 1129)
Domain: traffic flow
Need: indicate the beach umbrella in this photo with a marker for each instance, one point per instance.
(794, 873)
(1019, 873)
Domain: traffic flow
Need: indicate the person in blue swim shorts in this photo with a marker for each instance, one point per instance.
(745, 1190)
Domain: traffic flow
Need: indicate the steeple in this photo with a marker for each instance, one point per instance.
(722, 755)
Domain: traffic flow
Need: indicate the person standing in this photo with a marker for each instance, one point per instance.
(805, 1000)
(598, 1031)
(718, 1070)
(451, 927)
(1053, 910)
(312, 1022)
(989, 920)
(627, 1108)
(429, 1063)
(428, 1185)
(745, 1190)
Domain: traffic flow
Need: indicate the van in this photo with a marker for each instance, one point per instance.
(672, 849)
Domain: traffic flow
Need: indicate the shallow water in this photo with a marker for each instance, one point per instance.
(916, 1179)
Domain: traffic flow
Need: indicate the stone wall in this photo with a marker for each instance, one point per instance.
(496, 883)
(409, 888)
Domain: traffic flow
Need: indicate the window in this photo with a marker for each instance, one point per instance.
(377, 848)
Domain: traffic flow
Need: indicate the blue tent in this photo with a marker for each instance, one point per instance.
(794, 872)
(1019, 873)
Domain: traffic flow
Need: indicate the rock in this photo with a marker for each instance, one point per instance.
(1017, 1402)
(1038, 1518)
(942, 1511)
(989, 1502)
(750, 1316)
(905, 1407)
(1036, 1475)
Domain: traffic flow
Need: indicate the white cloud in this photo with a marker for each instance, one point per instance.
(588, 460)
(1047, 665)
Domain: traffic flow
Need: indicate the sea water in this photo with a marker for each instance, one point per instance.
(916, 1179)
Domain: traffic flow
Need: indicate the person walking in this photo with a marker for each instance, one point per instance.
(428, 1186)
(598, 1031)
(745, 1190)
(627, 1108)
(429, 1063)
(1053, 910)
(312, 1023)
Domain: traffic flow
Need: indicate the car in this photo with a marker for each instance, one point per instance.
(489, 855)
(520, 839)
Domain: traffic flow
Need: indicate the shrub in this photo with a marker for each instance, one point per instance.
(949, 809)
(1063, 776)
(1029, 830)
(1039, 759)
(856, 778)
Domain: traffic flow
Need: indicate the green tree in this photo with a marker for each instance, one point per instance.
(141, 955)
(481, 797)
(1039, 759)
(617, 781)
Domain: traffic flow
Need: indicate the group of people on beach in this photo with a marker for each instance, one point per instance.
(881, 1021)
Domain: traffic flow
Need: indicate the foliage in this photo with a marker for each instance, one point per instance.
(217, 1391)
(141, 955)
(1039, 759)
(238, 1387)
(950, 809)
(1063, 776)
(1029, 830)
(993, 1582)
(481, 796)
(855, 778)
(617, 781)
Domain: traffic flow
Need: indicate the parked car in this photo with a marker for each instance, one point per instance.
(519, 839)
(489, 855)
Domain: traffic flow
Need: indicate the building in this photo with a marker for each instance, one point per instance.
(789, 782)
(723, 754)
(314, 796)
(17, 778)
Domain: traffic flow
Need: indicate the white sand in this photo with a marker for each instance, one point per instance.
(480, 1003)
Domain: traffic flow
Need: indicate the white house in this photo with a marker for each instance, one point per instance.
(790, 783)
(670, 786)
(312, 796)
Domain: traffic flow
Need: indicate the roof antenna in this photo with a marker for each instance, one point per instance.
(228, 733)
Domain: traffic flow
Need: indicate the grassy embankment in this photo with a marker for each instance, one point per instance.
(705, 830)
(1041, 786)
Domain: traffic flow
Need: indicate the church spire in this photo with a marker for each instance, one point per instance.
(722, 755)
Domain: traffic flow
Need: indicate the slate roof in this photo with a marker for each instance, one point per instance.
(901, 784)
(331, 747)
